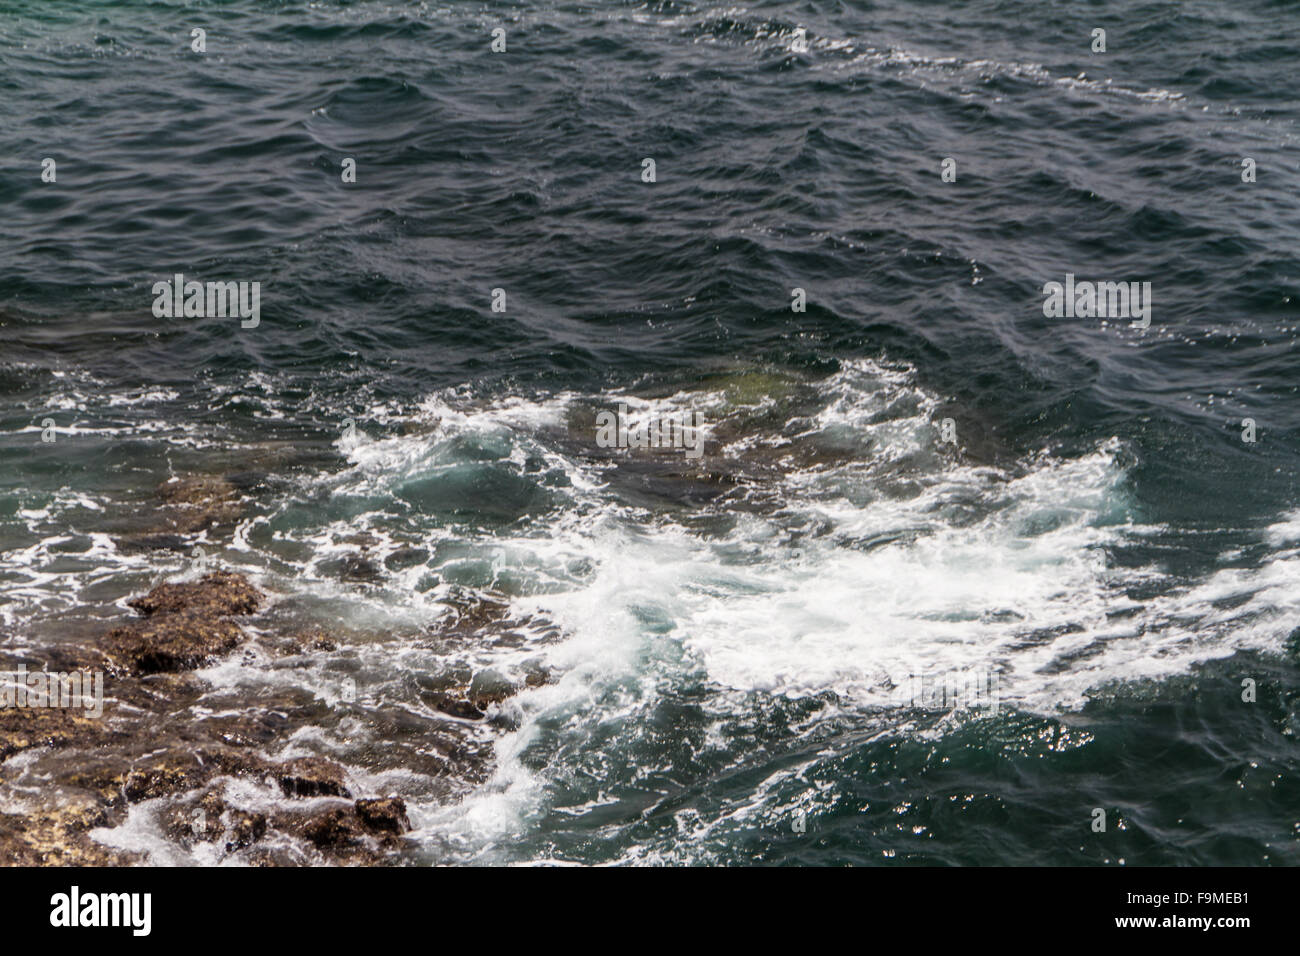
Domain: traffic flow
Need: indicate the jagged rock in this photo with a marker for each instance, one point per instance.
(186, 624)
(347, 830)
(311, 777)
(159, 781)
(171, 642)
(211, 819)
(332, 829)
(176, 740)
(181, 771)
(387, 814)
(243, 828)
(221, 593)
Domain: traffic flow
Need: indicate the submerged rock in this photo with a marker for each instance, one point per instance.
(196, 503)
(146, 541)
(354, 567)
(490, 687)
(195, 490)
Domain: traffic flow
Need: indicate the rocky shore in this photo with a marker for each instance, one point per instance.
(66, 772)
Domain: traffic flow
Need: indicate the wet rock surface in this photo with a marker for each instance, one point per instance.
(225, 776)
(219, 594)
(311, 777)
(358, 832)
(212, 819)
(355, 567)
(24, 728)
(60, 836)
(181, 509)
(387, 815)
(185, 625)
(197, 503)
(172, 642)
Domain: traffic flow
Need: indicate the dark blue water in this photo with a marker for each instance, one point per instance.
(725, 638)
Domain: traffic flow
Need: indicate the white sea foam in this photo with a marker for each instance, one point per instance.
(1023, 587)
(876, 561)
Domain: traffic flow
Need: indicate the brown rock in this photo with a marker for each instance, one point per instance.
(221, 593)
(158, 781)
(59, 836)
(195, 490)
(384, 815)
(186, 625)
(313, 639)
(22, 728)
(311, 777)
(211, 819)
(342, 832)
(334, 828)
(171, 642)
(196, 503)
(159, 775)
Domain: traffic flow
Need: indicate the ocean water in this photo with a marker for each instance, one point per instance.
(737, 656)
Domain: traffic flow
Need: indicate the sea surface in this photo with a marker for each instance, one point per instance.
(717, 659)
